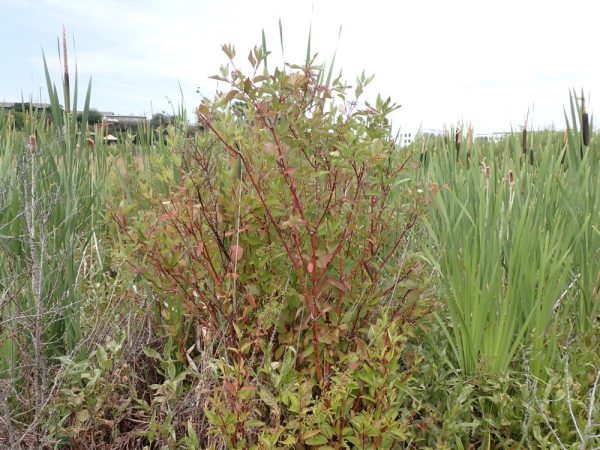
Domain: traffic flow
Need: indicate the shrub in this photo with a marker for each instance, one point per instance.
(18, 119)
(161, 119)
(284, 242)
(94, 117)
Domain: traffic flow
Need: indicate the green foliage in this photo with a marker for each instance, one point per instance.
(319, 255)
(93, 117)
(515, 247)
(25, 107)
(162, 120)
(96, 398)
(368, 403)
(256, 285)
(287, 234)
(21, 118)
(18, 119)
(49, 203)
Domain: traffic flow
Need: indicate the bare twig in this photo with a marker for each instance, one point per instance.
(589, 425)
(569, 402)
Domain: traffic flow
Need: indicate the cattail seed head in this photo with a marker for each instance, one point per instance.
(32, 145)
(66, 83)
(585, 129)
(511, 178)
(485, 169)
(524, 140)
(469, 138)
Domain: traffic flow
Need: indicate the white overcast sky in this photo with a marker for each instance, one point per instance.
(483, 62)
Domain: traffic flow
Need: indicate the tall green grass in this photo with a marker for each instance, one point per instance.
(49, 210)
(515, 241)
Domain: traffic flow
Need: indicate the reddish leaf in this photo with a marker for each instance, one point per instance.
(236, 252)
(233, 233)
(324, 260)
(251, 299)
(342, 286)
(230, 387)
(230, 96)
(251, 59)
(167, 216)
(354, 365)
(247, 85)
(270, 148)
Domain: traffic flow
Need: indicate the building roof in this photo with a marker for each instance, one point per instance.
(108, 117)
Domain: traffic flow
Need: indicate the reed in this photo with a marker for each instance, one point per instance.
(516, 246)
(50, 208)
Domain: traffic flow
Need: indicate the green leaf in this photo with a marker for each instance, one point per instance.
(151, 353)
(259, 78)
(230, 96)
(318, 439)
(289, 440)
(219, 78)
(192, 436)
(229, 50)
(255, 423)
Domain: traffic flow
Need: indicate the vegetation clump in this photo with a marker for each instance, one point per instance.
(289, 277)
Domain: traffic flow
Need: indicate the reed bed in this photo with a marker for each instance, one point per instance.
(516, 244)
(511, 229)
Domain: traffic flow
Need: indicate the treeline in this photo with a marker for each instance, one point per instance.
(20, 111)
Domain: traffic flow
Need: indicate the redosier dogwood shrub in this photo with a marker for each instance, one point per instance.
(283, 254)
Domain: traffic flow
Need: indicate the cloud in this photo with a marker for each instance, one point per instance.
(443, 61)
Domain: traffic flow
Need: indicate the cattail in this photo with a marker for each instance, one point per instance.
(485, 169)
(511, 178)
(457, 139)
(585, 128)
(469, 144)
(66, 84)
(531, 157)
(470, 131)
(524, 140)
(32, 145)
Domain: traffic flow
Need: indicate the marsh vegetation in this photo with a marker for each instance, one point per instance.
(290, 277)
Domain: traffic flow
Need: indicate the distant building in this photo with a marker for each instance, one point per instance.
(430, 133)
(485, 137)
(492, 137)
(406, 139)
(129, 119)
